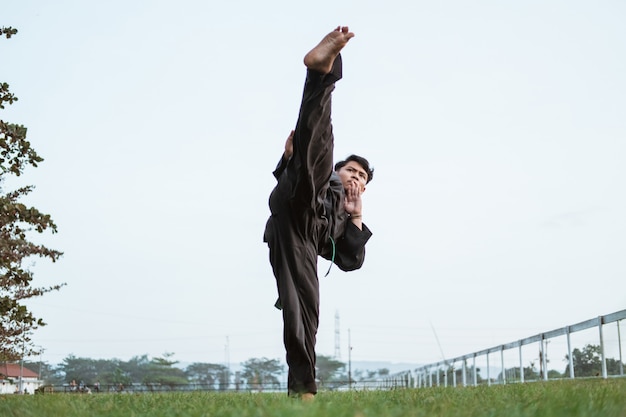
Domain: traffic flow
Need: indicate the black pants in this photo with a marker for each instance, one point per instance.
(298, 226)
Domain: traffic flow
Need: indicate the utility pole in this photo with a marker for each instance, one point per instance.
(227, 359)
(40, 361)
(337, 334)
(349, 362)
(21, 391)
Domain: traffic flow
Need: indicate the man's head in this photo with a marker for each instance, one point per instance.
(354, 169)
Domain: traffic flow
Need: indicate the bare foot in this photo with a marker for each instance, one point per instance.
(321, 57)
(307, 397)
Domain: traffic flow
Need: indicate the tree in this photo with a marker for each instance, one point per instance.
(613, 366)
(368, 374)
(79, 369)
(8, 32)
(46, 372)
(115, 372)
(262, 373)
(554, 374)
(328, 370)
(16, 222)
(530, 373)
(92, 370)
(162, 371)
(207, 375)
(586, 362)
(136, 368)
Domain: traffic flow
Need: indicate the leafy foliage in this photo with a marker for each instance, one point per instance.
(329, 371)
(262, 373)
(208, 375)
(8, 32)
(587, 362)
(16, 221)
(161, 371)
(157, 372)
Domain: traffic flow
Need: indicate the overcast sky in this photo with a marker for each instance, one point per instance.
(497, 131)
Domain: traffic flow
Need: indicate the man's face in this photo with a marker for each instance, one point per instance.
(353, 173)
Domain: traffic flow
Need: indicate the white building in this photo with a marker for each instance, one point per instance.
(10, 379)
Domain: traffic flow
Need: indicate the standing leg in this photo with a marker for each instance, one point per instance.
(296, 217)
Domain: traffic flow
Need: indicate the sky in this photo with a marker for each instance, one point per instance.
(496, 130)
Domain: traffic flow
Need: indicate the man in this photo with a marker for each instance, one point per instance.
(314, 211)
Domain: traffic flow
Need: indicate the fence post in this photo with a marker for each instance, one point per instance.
(619, 345)
(602, 355)
(475, 374)
(464, 370)
(488, 370)
(453, 376)
(502, 362)
(569, 353)
(521, 364)
(544, 360)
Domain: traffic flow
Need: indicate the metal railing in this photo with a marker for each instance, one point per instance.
(431, 374)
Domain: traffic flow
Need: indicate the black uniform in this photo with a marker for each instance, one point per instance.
(308, 219)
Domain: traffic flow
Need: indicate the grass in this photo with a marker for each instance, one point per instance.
(579, 398)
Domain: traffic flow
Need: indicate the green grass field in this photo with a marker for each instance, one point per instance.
(605, 398)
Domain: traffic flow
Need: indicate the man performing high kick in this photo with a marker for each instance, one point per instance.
(315, 210)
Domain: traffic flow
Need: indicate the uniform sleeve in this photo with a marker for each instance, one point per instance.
(350, 249)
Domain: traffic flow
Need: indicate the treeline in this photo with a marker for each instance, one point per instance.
(163, 372)
(260, 373)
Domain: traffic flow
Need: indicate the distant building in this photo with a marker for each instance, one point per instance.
(10, 379)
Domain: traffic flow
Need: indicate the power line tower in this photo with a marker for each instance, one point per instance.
(337, 334)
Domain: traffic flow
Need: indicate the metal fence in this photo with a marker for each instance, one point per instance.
(439, 373)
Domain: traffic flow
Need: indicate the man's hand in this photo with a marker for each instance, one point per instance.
(352, 203)
(289, 146)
